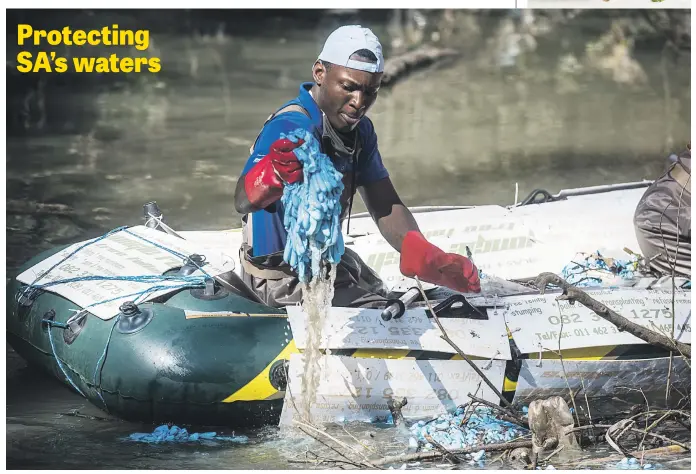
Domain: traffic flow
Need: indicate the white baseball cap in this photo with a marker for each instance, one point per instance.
(345, 41)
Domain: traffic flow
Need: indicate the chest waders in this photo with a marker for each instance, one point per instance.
(663, 220)
(274, 281)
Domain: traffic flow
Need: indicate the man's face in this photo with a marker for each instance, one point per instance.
(345, 95)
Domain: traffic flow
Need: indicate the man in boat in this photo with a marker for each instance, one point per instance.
(663, 219)
(346, 81)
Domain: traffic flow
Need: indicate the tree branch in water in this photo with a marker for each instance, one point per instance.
(686, 446)
(437, 454)
(572, 293)
(403, 64)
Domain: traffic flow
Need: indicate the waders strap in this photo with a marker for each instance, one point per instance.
(275, 269)
(287, 108)
(681, 176)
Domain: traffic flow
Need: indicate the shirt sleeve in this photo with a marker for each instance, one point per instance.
(370, 166)
(284, 123)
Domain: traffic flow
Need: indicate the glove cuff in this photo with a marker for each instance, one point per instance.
(263, 187)
(415, 250)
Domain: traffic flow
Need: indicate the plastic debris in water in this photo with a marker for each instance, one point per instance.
(174, 434)
(312, 211)
(596, 270)
(450, 430)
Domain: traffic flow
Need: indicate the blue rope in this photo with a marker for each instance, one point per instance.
(135, 278)
(55, 355)
(151, 289)
(138, 278)
(184, 281)
(100, 365)
(312, 211)
(173, 252)
(31, 286)
(188, 281)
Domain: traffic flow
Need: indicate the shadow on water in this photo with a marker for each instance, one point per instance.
(84, 152)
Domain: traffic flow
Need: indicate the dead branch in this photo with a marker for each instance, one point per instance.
(469, 407)
(435, 454)
(347, 459)
(622, 426)
(572, 293)
(320, 461)
(556, 451)
(565, 374)
(662, 451)
(338, 442)
(685, 414)
(686, 446)
(654, 425)
(507, 415)
(357, 441)
(587, 402)
(403, 64)
(449, 341)
(445, 452)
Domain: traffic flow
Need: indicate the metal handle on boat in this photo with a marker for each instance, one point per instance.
(475, 313)
(564, 193)
(153, 213)
(396, 308)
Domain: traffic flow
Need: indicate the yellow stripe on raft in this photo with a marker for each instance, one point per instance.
(582, 353)
(260, 388)
(381, 353)
(458, 357)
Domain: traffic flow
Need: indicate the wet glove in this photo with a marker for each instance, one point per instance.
(264, 182)
(423, 259)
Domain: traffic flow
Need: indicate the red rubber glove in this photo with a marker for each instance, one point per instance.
(429, 263)
(264, 182)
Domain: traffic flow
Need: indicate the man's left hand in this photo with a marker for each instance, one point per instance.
(423, 259)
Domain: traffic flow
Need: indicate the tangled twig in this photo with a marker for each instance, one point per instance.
(435, 454)
(686, 446)
(572, 293)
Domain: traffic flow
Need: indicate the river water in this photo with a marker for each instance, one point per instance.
(461, 134)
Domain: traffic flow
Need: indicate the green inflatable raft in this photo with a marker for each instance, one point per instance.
(156, 363)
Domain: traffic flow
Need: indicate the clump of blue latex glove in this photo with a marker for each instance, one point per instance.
(482, 427)
(312, 210)
(589, 270)
(174, 434)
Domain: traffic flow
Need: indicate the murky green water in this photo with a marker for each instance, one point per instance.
(464, 134)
